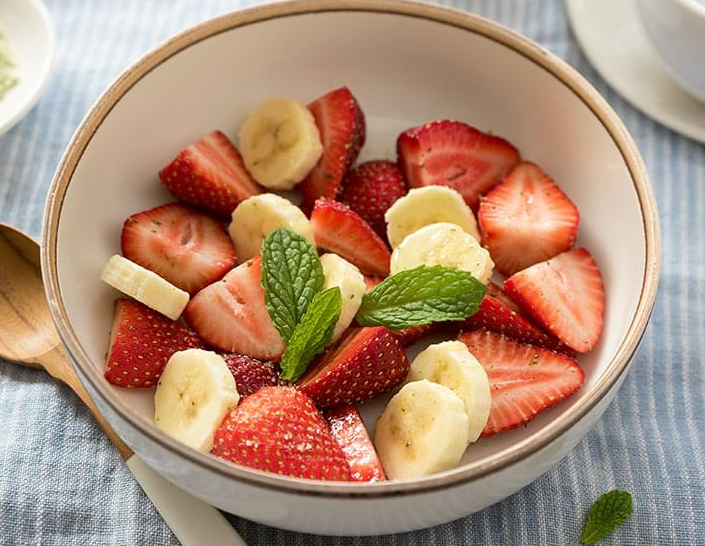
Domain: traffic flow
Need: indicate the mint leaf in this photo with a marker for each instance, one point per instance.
(420, 296)
(606, 514)
(291, 276)
(312, 333)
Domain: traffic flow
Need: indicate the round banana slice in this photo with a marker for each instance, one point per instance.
(428, 205)
(194, 392)
(452, 365)
(341, 273)
(145, 286)
(280, 143)
(423, 429)
(258, 216)
(443, 244)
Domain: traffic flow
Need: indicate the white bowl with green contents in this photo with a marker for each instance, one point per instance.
(26, 54)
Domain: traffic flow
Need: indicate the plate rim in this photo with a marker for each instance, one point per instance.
(31, 101)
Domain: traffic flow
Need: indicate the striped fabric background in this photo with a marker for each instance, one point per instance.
(62, 483)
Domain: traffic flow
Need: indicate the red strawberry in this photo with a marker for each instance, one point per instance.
(188, 248)
(209, 174)
(409, 336)
(495, 315)
(341, 124)
(524, 379)
(350, 433)
(278, 429)
(370, 189)
(526, 219)
(565, 295)
(231, 316)
(454, 154)
(250, 374)
(371, 281)
(141, 343)
(364, 363)
(338, 229)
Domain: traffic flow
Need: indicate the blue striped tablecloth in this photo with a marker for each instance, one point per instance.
(61, 481)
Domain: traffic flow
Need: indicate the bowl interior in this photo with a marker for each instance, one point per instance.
(405, 71)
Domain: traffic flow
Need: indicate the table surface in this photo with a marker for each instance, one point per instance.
(61, 482)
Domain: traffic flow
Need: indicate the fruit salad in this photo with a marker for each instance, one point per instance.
(263, 321)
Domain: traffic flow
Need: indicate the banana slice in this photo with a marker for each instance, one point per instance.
(429, 205)
(280, 143)
(451, 364)
(341, 273)
(193, 394)
(145, 286)
(443, 244)
(257, 216)
(423, 429)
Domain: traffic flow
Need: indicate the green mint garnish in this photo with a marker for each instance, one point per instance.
(606, 514)
(291, 276)
(312, 333)
(420, 296)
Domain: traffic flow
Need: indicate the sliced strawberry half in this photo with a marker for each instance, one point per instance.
(524, 379)
(141, 343)
(565, 295)
(526, 219)
(410, 335)
(454, 154)
(349, 431)
(230, 314)
(185, 246)
(341, 124)
(278, 429)
(496, 315)
(250, 373)
(370, 189)
(338, 229)
(364, 363)
(209, 174)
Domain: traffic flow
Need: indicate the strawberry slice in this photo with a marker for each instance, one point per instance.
(370, 189)
(495, 315)
(524, 379)
(349, 431)
(410, 335)
(371, 281)
(209, 174)
(338, 229)
(279, 430)
(188, 248)
(526, 219)
(364, 363)
(565, 295)
(454, 154)
(341, 124)
(250, 373)
(231, 316)
(141, 343)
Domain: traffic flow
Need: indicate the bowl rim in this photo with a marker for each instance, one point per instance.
(447, 16)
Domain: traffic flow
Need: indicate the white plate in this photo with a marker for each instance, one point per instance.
(28, 30)
(614, 41)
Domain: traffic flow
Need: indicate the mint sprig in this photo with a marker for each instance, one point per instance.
(291, 276)
(606, 514)
(312, 333)
(420, 296)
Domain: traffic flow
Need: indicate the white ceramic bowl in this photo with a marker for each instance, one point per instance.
(28, 30)
(407, 63)
(677, 30)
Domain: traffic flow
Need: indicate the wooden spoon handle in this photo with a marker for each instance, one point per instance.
(58, 365)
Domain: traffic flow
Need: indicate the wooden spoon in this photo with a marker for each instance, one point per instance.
(28, 337)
